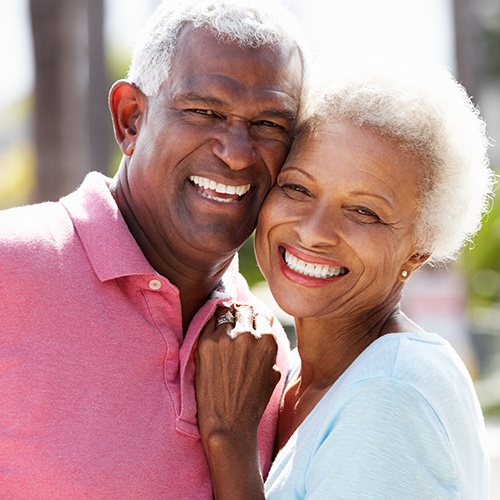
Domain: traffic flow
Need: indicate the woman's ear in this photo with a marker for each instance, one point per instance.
(127, 105)
(415, 261)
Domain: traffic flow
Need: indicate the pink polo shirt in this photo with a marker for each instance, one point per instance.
(96, 379)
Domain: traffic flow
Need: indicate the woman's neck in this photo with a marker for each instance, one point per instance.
(327, 348)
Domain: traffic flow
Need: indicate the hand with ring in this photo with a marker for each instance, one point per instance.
(241, 318)
(235, 375)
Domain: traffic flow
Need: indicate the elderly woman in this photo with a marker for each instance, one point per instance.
(386, 173)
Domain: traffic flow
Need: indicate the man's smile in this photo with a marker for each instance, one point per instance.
(210, 189)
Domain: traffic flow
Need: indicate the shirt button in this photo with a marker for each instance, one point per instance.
(155, 284)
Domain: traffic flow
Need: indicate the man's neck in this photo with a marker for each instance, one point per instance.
(195, 275)
(195, 281)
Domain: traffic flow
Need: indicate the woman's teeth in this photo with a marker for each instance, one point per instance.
(313, 270)
(218, 187)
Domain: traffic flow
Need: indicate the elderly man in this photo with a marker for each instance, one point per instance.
(105, 292)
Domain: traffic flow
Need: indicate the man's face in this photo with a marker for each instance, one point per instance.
(209, 146)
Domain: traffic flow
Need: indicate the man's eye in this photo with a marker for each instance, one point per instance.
(203, 112)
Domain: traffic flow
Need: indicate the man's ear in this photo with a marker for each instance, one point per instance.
(127, 104)
(413, 262)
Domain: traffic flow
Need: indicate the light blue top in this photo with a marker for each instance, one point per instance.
(403, 422)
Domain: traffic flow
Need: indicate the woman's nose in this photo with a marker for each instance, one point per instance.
(318, 228)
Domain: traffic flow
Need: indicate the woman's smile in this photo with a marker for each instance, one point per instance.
(311, 269)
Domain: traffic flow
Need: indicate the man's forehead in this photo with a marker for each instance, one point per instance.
(205, 44)
(202, 64)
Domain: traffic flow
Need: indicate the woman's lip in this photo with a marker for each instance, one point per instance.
(307, 258)
(301, 277)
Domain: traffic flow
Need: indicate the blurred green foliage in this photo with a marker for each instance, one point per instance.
(17, 175)
(481, 265)
(248, 264)
(17, 160)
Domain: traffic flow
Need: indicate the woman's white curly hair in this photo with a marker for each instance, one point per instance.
(250, 23)
(425, 113)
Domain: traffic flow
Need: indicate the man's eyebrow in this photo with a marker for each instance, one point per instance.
(201, 99)
(287, 114)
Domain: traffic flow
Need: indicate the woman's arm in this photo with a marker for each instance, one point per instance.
(235, 377)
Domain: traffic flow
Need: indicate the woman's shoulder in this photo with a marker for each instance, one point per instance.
(418, 358)
(415, 358)
(400, 354)
(415, 370)
(294, 364)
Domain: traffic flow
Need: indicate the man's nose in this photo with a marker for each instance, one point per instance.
(234, 146)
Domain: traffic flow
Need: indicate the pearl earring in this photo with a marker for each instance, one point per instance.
(404, 273)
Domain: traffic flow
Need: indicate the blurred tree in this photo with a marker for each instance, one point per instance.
(468, 46)
(99, 121)
(481, 266)
(70, 89)
(490, 27)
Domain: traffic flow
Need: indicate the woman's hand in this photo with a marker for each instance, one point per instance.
(235, 377)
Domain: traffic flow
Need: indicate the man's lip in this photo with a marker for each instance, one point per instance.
(218, 191)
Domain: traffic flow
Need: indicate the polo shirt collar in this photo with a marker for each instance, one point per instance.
(110, 247)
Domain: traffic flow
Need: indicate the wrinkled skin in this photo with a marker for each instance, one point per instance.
(235, 377)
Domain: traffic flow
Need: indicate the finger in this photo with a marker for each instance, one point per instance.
(262, 324)
(225, 316)
(244, 320)
(207, 330)
(276, 374)
(211, 330)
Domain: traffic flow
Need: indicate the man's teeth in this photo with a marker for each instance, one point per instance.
(218, 187)
(313, 270)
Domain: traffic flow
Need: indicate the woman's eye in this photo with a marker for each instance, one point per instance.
(267, 123)
(367, 214)
(363, 211)
(294, 189)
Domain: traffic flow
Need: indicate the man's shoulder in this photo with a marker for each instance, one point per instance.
(32, 225)
(33, 243)
(48, 225)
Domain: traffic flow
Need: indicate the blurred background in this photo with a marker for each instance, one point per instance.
(59, 58)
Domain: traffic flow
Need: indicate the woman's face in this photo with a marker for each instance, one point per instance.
(335, 232)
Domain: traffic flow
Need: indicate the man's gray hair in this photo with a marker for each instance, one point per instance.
(249, 23)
